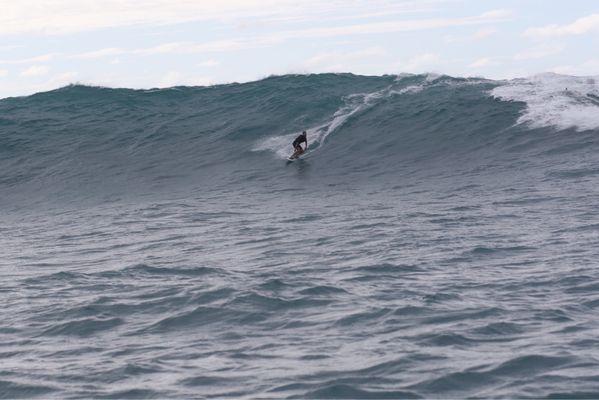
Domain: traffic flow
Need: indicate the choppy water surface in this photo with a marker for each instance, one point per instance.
(433, 243)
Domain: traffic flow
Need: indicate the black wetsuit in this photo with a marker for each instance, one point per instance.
(299, 140)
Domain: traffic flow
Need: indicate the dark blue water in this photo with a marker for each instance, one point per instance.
(439, 239)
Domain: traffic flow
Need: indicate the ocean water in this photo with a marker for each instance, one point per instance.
(440, 239)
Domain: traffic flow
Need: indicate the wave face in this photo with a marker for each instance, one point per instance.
(88, 142)
(439, 240)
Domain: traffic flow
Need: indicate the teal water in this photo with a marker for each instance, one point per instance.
(438, 240)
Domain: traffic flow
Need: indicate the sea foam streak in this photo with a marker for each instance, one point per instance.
(353, 105)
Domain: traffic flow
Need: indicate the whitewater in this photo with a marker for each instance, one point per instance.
(440, 239)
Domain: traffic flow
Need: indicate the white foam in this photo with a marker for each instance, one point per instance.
(555, 100)
(409, 89)
(354, 104)
(432, 76)
(280, 145)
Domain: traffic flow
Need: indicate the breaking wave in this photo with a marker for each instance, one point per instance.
(81, 142)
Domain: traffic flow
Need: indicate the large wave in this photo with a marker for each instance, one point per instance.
(94, 143)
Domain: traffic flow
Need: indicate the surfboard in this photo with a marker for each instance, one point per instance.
(292, 158)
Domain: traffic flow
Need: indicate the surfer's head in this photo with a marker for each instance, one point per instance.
(304, 133)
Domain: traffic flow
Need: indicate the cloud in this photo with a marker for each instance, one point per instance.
(107, 52)
(580, 26)
(395, 26)
(497, 14)
(23, 87)
(452, 38)
(307, 12)
(484, 33)
(344, 61)
(176, 78)
(539, 52)
(20, 87)
(207, 47)
(51, 17)
(246, 43)
(35, 70)
(209, 63)
(9, 47)
(481, 62)
(421, 62)
(480, 34)
(36, 59)
(182, 48)
(165, 48)
(589, 67)
(69, 16)
(368, 61)
(62, 79)
(3, 73)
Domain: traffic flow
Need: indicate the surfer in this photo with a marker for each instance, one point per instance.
(297, 142)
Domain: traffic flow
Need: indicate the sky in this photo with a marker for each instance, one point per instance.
(46, 44)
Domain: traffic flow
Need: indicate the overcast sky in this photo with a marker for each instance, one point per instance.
(45, 44)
